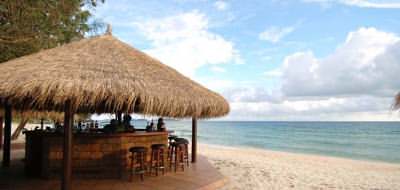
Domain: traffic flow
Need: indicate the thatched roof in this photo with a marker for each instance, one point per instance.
(104, 75)
(37, 115)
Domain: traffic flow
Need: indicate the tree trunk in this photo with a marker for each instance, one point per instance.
(1, 132)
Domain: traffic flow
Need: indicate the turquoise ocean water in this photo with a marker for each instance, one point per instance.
(378, 141)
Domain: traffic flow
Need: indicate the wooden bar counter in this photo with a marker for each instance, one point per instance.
(94, 154)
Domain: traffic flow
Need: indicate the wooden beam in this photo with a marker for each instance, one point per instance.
(19, 129)
(1, 131)
(194, 139)
(67, 155)
(7, 135)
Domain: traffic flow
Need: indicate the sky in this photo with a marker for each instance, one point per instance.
(279, 60)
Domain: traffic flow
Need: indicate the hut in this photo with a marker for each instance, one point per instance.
(100, 75)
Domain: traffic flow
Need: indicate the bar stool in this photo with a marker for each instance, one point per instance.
(138, 157)
(186, 151)
(171, 141)
(157, 158)
(171, 138)
(180, 154)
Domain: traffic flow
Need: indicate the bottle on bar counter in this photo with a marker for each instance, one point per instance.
(148, 127)
(152, 125)
(80, 126)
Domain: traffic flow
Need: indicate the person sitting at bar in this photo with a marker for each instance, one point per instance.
(150, 127)
(127, 123)
(111, 127)
(161, 125)
(59, 127)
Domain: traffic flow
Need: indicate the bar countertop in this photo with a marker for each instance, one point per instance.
(100, 134)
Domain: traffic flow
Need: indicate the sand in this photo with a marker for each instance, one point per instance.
(248, 168)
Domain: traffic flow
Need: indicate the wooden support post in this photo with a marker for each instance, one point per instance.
(42, 124)
(1, 131)
(7, 135)
(67, 155)
(194, 139)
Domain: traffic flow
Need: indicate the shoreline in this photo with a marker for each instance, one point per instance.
(251, 168)
(298, 153)
(30, 126)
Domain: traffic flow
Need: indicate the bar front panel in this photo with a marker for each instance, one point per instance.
(102, 155)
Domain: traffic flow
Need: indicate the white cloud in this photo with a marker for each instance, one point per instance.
(215, 84)
(185, 43)
(218, 69)
(274, 73)
(266, 57)
(388, 4)
(355, 82)
(368, 62)
(221, 5)
(364, 108)
(251, 94)
(275, 34)
(373, 4)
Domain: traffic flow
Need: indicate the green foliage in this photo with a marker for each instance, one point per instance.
(27, 26)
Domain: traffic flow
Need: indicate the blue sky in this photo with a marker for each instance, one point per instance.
(277, 59)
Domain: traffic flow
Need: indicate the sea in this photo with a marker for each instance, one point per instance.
(376, 141)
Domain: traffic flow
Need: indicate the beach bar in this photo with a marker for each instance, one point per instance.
(93, 154)
(97, 75)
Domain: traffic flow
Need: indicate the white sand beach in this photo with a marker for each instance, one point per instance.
(249, 168)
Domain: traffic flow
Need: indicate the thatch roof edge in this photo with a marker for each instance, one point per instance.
(130, 81)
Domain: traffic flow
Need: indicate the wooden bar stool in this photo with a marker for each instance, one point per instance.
(180, 154)
(138, 157)
(171, 141)
(171, 154)
(171, 138)
(157, 158)
(186, 151)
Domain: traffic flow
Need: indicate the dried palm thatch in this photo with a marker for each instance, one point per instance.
(38, 115)
(49, 115)
(104, 75)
